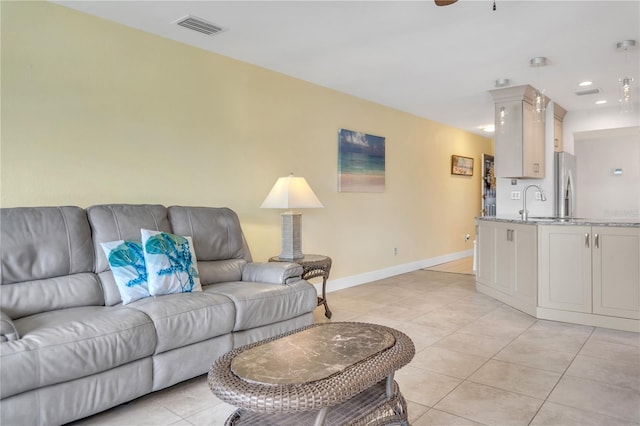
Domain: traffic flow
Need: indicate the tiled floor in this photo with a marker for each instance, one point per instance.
(477, 361)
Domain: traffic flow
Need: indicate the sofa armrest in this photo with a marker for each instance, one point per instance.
(8, 330)
(272, 272)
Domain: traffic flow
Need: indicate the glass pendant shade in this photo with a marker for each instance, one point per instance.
(539, 106)
(626, 102)
(502, 120)
(539, 102)
(626, 98)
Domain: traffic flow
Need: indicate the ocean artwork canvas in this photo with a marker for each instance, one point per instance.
(361, 162)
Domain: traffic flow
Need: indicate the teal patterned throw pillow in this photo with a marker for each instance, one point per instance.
(126, 259)
(171, 263)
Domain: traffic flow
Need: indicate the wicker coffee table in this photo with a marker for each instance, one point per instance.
(329, 373)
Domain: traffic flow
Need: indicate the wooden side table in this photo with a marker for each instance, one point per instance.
(314, 265)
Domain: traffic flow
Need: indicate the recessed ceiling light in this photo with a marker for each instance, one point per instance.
(600, 102)
(585, 83)
(489, 128)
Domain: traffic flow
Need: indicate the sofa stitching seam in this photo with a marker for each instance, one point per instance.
(66, 228)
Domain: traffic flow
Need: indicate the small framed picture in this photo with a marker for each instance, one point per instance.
(461, 165)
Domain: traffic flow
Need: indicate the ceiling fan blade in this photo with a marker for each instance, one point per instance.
(444, 2)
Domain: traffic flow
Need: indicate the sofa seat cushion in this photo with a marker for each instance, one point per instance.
(182, 319)
(67, 344)
(259, 303)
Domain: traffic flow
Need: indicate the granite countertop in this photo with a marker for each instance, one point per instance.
(547, 220)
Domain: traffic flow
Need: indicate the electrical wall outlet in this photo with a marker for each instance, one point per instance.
(515, 195)
(538, 195)
(395, 251)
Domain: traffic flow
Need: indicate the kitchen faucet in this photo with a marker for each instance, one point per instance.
(524, 212)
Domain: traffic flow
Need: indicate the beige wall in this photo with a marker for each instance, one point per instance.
(95, 112)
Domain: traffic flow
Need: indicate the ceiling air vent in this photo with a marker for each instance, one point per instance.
(198, 24)
(588, 92)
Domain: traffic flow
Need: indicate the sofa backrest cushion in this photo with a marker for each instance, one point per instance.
(113, 222)
(47, 260)
(219, 243)
(215, 231)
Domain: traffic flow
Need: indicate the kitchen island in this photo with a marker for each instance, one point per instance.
(582, 271)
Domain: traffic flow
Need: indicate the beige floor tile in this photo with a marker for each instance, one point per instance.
(489, 405)
(446, 319)
(351, 305)
(501, 322)
(379, 319)
(415, 411)
(527, 353)
(214, 416)
(423, 387)
(477, 308)
(553, 341)
(397, 312)
(602, 398)
(516, 378)
(181, 423)
(448, 362)
(615, 372)
(616, 336)
(440, 418)
(562, 328)
(473, 344)
(611, 351)
(422, 336)
(134, 413)
(186, 398)
(337, 315)
(552, 414)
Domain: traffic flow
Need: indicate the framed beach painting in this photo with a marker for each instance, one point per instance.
(461, 165)
(361, 162)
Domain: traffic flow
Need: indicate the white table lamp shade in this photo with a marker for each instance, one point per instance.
(291, 192)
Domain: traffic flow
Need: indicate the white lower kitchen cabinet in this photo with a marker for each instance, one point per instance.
(590, 275)
(486, 252)
(578, 272)
(565, 267)
(616, 271)
(507, 263)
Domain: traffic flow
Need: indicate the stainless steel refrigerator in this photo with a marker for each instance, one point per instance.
(565, 184)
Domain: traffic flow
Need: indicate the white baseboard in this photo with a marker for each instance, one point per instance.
(367, 277)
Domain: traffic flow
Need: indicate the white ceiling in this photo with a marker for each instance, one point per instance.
(434, 62)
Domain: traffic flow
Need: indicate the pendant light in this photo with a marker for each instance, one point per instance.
(626, 101)
(502, 113)
(539, 103)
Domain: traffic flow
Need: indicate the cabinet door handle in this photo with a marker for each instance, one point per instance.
(536, 167)
(586, 240)
(597, 240)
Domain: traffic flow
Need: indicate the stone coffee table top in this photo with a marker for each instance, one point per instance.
(312, 354)
(311, 368)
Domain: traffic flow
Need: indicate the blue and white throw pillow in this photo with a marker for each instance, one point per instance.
(171, 263)
(126, 259)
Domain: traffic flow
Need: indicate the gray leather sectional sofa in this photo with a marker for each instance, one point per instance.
(70, 348)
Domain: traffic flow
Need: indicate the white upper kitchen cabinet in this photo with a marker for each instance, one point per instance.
(519, 137)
